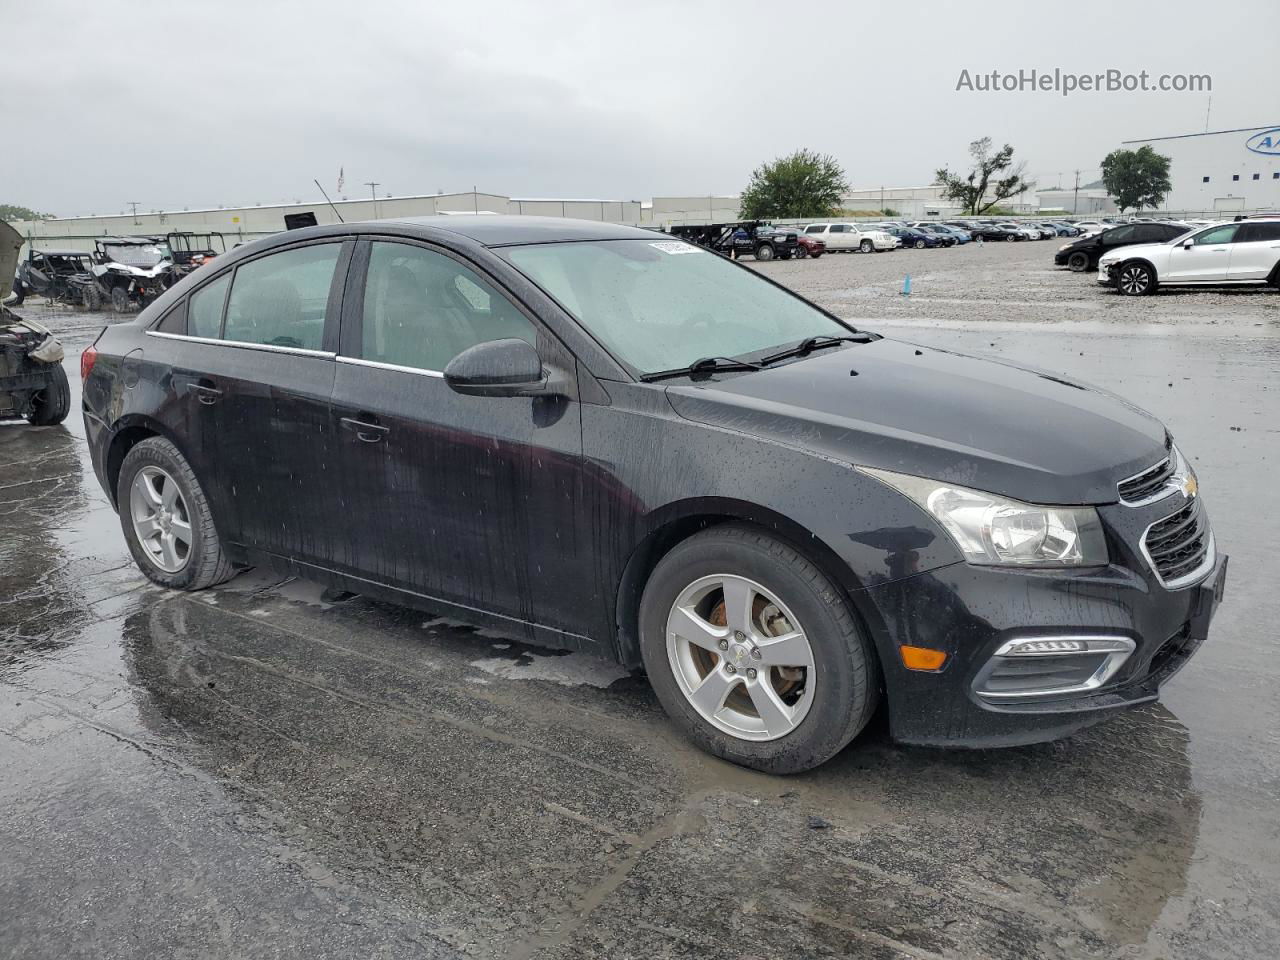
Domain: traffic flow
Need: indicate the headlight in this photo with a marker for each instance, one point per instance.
(1063, 247)
(991, 529)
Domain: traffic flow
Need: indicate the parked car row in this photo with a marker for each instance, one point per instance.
(1139, 257)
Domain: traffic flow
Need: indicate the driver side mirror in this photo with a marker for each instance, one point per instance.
(501, 368)
(1187, 244)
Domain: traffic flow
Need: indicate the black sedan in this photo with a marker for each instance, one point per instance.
(1083, 254)
(996, 231)
(595, 438)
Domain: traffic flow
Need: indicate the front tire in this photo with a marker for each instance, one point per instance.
(119, 299)
(18, 295)
(1078, 262)
(920, 244)
(53, 403)
(166, 519)
(867, 246)
(1012, 237)
(753, 652)
(1136, 280)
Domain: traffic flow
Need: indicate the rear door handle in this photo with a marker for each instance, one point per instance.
(366, 431)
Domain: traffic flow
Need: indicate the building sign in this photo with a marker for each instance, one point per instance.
(1268, 142)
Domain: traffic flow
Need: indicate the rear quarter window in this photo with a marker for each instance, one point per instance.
(204, 312)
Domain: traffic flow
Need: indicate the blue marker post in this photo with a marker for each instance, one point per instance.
(906, 286)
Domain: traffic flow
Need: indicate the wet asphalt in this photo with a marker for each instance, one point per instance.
(265, 770)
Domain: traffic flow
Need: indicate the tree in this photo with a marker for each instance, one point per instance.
(1136, 178)
(984, 178)
(10, 211)
(804, 184)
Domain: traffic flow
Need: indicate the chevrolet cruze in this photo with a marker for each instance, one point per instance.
(598, 438)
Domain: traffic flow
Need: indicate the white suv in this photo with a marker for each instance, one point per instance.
(1243, 252)
(844, 237)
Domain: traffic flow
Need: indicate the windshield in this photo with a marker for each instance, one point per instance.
(661, 305)
(137, 255)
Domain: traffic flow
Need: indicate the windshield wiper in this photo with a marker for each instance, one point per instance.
(810, 344)
(705, 365)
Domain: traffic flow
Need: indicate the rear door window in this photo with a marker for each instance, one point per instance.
(204, 314)
(280, 300)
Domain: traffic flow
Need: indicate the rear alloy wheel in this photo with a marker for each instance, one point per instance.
(166, 518)
(1078, 262)
(119, 299)
(867, 246)
(764, 252)
(1012, 237)
(753, 653)
(920, 244)
(1136, 280)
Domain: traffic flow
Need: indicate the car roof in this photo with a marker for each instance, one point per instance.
(61, 253)
(503, 230)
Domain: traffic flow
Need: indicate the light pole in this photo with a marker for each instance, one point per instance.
(373, 192)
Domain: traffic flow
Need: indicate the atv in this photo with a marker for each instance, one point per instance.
(59, 275)
(127, 273)
(190, 251)
(33, 384)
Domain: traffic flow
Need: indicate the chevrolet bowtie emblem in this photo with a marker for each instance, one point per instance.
(1189, 486)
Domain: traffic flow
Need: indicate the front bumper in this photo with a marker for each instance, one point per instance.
(1107, 274)
(972, 612)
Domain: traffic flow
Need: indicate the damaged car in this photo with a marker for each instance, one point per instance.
(602, 439)
(33, 385)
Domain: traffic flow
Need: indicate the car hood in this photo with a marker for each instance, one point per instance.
(980, 423)
(1151, 251)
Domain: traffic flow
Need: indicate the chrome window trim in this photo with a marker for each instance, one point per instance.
(242, 345)
(1187, 579)
(1118, 649)
(398, 368)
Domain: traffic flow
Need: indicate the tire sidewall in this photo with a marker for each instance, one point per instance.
(1078, 262)
(161, 454)
(816, 604)
(55, 401)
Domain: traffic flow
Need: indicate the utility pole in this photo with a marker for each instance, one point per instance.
(1207, 109)
(1075, 200)
(134, 205)
(373, 192)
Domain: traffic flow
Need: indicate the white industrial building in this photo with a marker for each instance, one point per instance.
(1222, 172)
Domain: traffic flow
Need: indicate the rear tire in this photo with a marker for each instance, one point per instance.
(801, 253)
(91, 298)
(18, 295)
(53, 403)
(920, 244)
(119, 299)
(764, 252)
(159, 497)
(813, 710)
(1078, 262)
(1012, 237)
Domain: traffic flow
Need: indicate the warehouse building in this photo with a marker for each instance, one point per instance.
(1221, 172)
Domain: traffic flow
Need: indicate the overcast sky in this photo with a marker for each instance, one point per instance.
(201, 104)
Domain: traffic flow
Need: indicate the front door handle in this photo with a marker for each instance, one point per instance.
(366, 431)
(206, 395)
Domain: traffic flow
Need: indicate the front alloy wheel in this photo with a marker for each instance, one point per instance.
(1135, 280)
(740, 657)
(866, 246)
(1078, 262)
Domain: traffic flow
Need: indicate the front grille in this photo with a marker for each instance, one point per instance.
(1145, 485)
(1179, 545)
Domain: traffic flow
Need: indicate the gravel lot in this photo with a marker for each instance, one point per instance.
(262, 770)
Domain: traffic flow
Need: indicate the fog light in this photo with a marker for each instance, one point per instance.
(922, 658)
